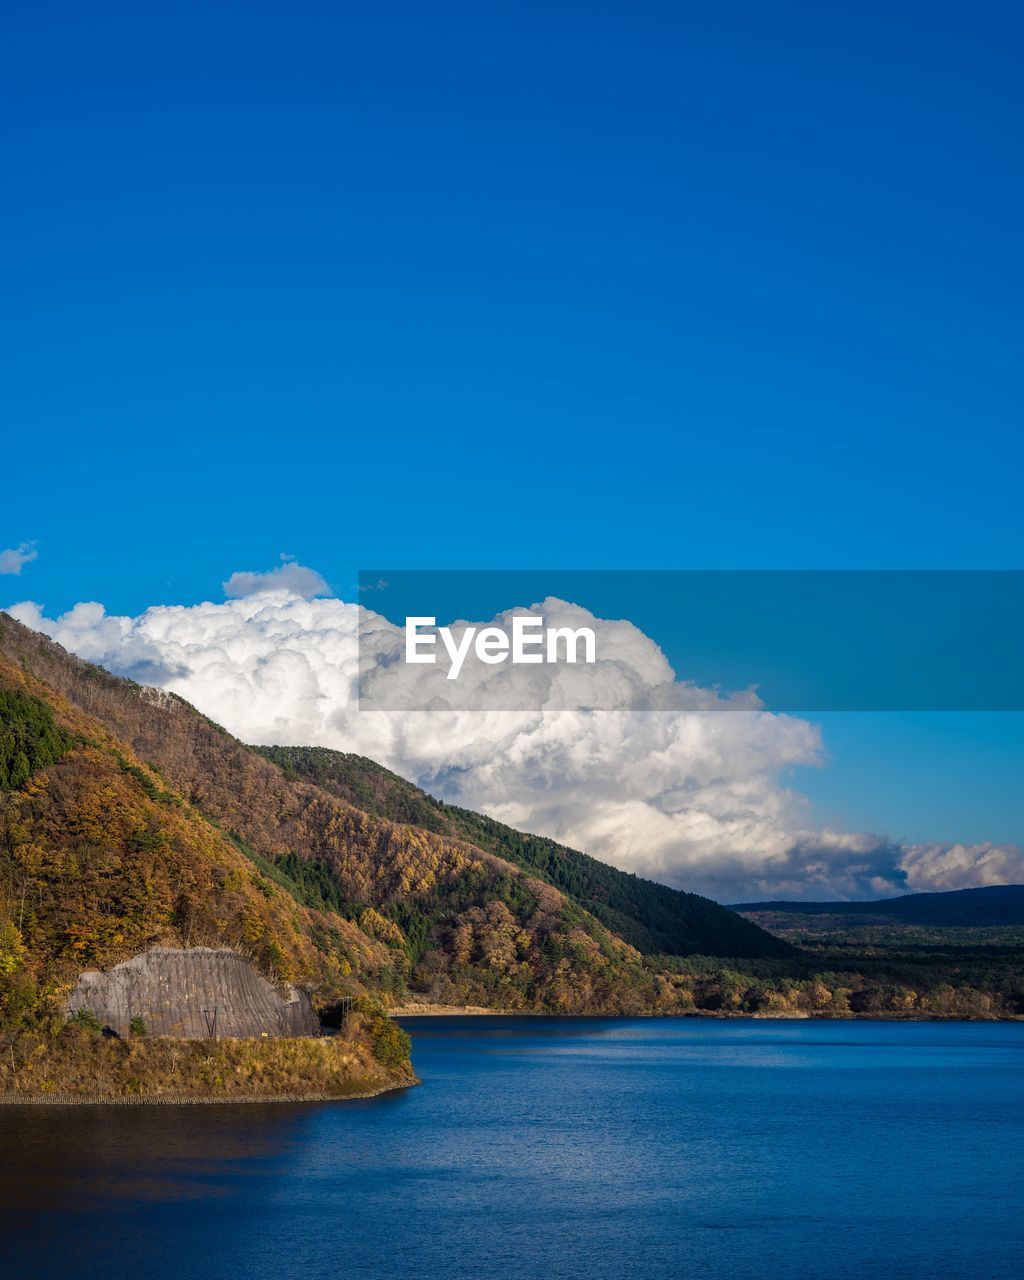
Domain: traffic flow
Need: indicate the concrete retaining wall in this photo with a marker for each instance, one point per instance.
(196, 994)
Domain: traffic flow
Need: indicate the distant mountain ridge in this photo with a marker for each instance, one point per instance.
(990, 905)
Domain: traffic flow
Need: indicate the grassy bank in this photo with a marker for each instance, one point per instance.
(79, 1064)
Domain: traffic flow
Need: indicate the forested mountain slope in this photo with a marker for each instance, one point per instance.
(100, 857)
(652, 917)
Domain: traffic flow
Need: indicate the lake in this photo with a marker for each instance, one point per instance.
(537, 1147)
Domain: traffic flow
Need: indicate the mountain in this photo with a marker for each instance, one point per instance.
(651, 917)
(100, 857)
(958, 908)
(128, 819)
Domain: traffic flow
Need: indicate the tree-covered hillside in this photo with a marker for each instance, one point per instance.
(651, 917)
(29, 739)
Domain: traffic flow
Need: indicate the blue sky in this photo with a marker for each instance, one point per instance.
(466, 285)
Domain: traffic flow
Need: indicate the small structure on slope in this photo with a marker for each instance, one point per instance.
(194, 994)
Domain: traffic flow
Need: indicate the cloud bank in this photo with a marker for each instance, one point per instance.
(661, 780)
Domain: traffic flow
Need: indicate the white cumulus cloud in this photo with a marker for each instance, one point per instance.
(667, 779)
(290, 577)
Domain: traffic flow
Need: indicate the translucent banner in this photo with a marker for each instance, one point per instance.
(648, 640)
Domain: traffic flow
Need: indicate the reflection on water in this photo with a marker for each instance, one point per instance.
(563, 1148)
(147, 1153)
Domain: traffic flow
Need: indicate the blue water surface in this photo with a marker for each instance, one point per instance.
(575, 1148)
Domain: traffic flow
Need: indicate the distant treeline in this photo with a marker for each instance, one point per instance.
(991, 905)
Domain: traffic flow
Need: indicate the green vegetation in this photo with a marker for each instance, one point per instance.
(367, 785)
(145, 780)
(304, 887)
(314, 884)
(29, 738)
(391, 1045)
(86, 1019)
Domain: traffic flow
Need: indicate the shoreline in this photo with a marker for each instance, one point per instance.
(475, 1011)
(193, 1100)
(457, 1010)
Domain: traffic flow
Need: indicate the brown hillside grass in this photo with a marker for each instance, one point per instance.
(82, 1064)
